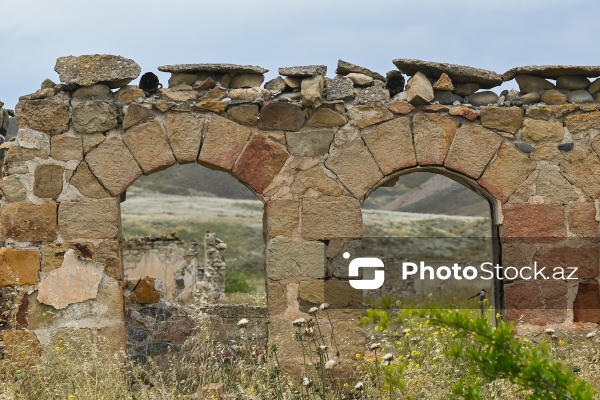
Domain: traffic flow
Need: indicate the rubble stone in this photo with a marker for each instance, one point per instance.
(87, 70)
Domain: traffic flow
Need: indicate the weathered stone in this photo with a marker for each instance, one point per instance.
(315, 179)
(211, 105)
(30, 139)
(204, 84)
(48, 181)
(395, 135)
(184, 131)
(355, 167)
(28, 222)
(93, 116)
(94, 92)
(588, 124)
(19, 267)
(149, 145)
(12, 189)
(66, 148)
(113, 165)
(465, 112)
(546, 152)
(223, 142)
(553, 97)
(529, 98)
(581, 167)
(400, 107)
(259, 162)
(87, 184)
(443, 83)
(92, 141)
(582, 220)
(580, 96)
(338, 89)
(221, 68)
(77, 280)
(359, 79)
(369, 114)
(507, 172)
(283, 218)
(538, 302)
(246, 81)
(47, 116)
(276, 297)
(281, 116)
(114, 71)
(276, 85)
(472, 149)
(145, 292)
(537, 131)
(433, 135)
(331, 218)
(292, 259)
(179, 96)
(344, 67)
(182, 78)
(293, 82)
(538, 222)
(309, 143)
(129, 94)
(307, 70)
(312, 91)
(372, 94)
(251, 94)
(135, 114)
(14, 344)
(554, 187)
(483, 98)
(108, 252)
(587, 302)
(333, 292)
(458, 73)
(541, 113)
(502, 118)
(53, 254)
(445, 97)
(533, 84)
(245, 114)
(566, 146)
(89, 219)
(326, 118)
(594, 87)
(552, 71)
(419, 90)
(39, 94)
(525, 147)
(465, 89)
(584, 257)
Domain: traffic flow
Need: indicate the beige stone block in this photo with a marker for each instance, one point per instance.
(135, 114)
(419, 90)
(184, 131)
(89, 219)
(553, 187)
(472, 149)
(277, 115)
(369, 114)
(444, 83)
(92, 141)
(247, 81)
(28, 222)
(535, 131)
(433, 134)
(292, 259)
(338, 294)
(283, 217)
(584, 123)
(400, 107)
(87, 184)
(507, 172)
(581, 167)
(19, 267)
(331, 218)
(12, 189)
(276, 297)
(309, 143)
(316, 179)
(66, 148)
(245, 114)
(223, 142)
(53, 254)
(354, 166)
(149, 145)
(505, 119)
(312, 91)
(129, 94)
(93, 116)
(47, 116)
(259, 162)
(326, 118)
(546, 152)
(391, 145)
(48, 181)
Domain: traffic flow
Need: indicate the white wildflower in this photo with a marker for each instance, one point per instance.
(243, 322)
(330, 364)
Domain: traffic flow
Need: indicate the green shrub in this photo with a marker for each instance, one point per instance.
(235, 282)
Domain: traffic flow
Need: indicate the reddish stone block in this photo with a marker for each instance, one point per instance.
(582, 220)
(28, 222)
(281, 116)
(536, 302)
(533, 222)
(19, 267)
(585, 258)
(260, 161)
(586, 307)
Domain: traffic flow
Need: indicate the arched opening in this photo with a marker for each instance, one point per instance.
(429, 225)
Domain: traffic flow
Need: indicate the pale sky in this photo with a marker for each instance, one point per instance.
(495, 35)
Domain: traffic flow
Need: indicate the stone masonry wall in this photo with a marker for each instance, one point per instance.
(311, 148)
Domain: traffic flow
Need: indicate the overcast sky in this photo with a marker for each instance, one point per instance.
(495, 35)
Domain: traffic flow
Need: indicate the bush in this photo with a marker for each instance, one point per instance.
(235, 282)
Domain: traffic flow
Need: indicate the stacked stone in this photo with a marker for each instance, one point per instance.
(213, 275)
(572, 84)
(4, 121)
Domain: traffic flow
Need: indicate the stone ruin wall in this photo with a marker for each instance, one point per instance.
(311, 148)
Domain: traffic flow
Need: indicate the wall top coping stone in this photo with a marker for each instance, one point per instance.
(305, 70)
(458, 73)
(345, 67)
(87, 70)
(552, 71)
(219, 67)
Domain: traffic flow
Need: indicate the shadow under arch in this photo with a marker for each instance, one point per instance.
(474, 186)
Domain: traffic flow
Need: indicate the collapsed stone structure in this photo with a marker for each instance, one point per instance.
(312, 149)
